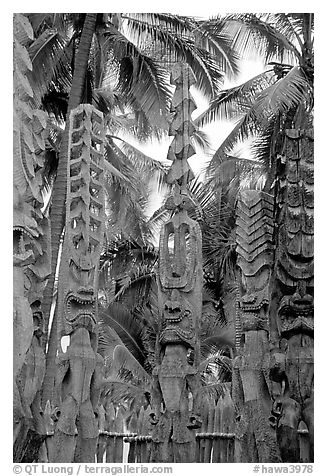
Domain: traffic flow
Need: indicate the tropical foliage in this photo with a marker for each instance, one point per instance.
(121, 63)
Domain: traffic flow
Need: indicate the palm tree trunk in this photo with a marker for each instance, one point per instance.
(57, 213)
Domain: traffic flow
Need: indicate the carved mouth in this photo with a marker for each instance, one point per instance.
(81, 309)
(296, 310)
(172, 334)
(301, 324)
(174, 312)
(22, 245)
(246, 307)
(296, 315)
(172, 318)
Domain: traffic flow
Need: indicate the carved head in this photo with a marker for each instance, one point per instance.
(178, 323)
(295, 314)
(25, 231)
(38, 320)
(80, 298)
(180, 249)
(180, 280)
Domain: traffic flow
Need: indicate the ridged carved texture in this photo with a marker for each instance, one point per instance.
(180, 239)
(31, 237)
(179, 289)
(30, 133)
(254, 231)
(296, 199)
(254, 238)
(181, 126)
(295, 312)
(84, 230)
(251, 384)
(30, 124)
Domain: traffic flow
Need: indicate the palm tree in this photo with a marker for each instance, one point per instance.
(127, 342)
(272, 100)
(262, 107)
(91, 59)
(130, 315)
(280, 98)
(83, 52)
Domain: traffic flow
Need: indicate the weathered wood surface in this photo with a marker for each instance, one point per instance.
(292, 302)
(255, 439)
(31, 249)
(80, 368)
(179, 295)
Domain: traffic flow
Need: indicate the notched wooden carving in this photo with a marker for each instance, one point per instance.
(251, 390)
(176, 381)
(292, 362)
(80, 376)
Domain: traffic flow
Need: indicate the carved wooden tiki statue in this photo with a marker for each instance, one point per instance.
(252, 389)
(292, 300)
(79, 376)
(180, 296)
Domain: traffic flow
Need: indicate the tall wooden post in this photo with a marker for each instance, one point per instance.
(31, 251)
(292, 299)
(252, 393)
(79, 375)
(176, 379)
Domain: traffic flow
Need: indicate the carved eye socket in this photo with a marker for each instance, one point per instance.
(74, 270)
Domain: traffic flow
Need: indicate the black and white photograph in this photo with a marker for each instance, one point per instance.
(163, 231)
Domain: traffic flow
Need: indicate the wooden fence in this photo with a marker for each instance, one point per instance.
(129, 439)
(214, 441)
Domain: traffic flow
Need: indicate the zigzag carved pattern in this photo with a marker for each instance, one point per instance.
(254, 229)
(85, 194)
(181, 125)
(30, 124)
(296, 202)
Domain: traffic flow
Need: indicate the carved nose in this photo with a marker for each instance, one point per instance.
(298, 299)
(173, 306)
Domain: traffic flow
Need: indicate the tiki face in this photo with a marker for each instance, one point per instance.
(179, 247)
(25, 231)
(295, 314)
(180, 279)
(178, 323)
(80, 299)
(254, 301)
(84, 217)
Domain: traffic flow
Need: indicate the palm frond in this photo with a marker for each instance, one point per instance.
(121, 320)
(51, 64)
(139, 78)
(230, 103)
(214, 391)
(215, 38)
(179, 39)
(284, 94)
(150, 168)
(288, 92)
(108, 340)
(219, 338)
(201, 139)
(158, 218)
(259, 33)
(215, 360)
(126, 366)
(124, 392)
